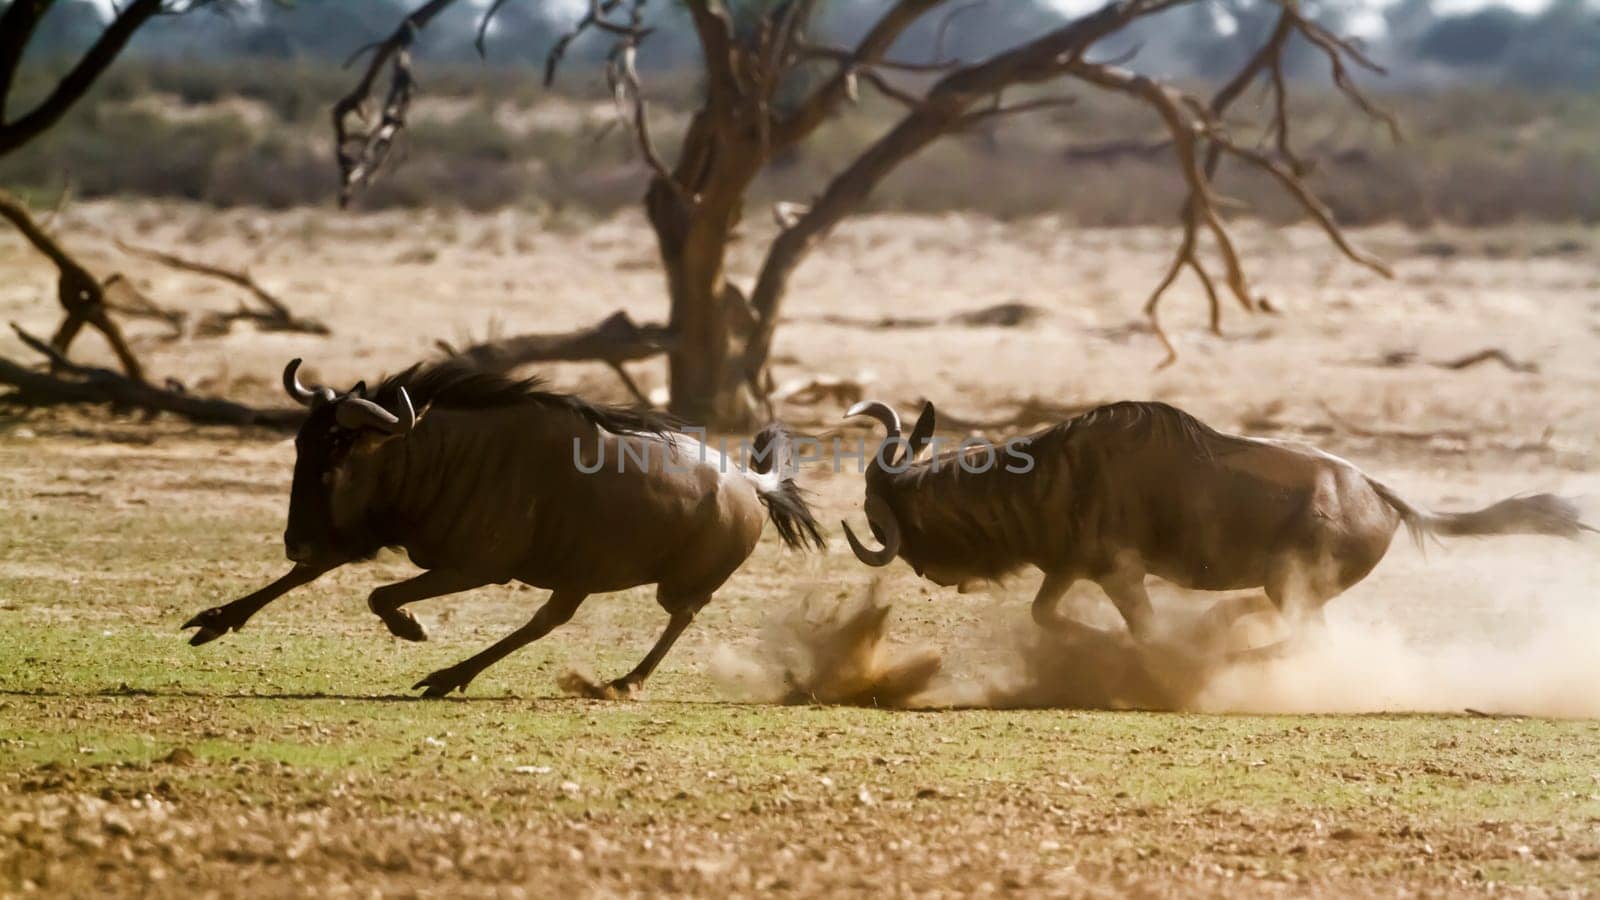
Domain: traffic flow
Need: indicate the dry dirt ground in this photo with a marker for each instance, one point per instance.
(288, 759)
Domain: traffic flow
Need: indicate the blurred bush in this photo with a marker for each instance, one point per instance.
(485, 137)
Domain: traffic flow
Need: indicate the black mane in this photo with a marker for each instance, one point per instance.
(1151, 420)
(456, 384)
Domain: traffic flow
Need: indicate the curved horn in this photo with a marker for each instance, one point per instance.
(291, 383)
(884, 413)
(356, 412)
(882, 519)
(408, 413)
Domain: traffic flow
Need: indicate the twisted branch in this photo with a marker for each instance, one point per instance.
(276, 317)
(361, 154)
(85, 384)
(1204, 121)
(82, 296)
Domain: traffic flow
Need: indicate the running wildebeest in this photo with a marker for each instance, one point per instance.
(482, 479)
(1135, 489)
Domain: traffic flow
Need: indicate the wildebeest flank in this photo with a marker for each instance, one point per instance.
(482, 480)
(1136, 489)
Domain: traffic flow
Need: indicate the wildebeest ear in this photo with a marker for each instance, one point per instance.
(360, 390)
(921, 433)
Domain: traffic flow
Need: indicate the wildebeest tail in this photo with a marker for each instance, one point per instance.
(1528, 514)
(774, 458)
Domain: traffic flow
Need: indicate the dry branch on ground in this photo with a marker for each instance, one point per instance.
(72, 383)
(82, 295)
(615, 340)
(1000, 315)
(276, 316)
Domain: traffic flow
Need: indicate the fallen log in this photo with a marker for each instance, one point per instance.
(72, 383)
(616, 339)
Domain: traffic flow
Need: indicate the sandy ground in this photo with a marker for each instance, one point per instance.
(1506, 626)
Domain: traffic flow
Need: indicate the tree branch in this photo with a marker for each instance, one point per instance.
(999, 109)
(17, 24)
(74, 84)
(873, 45)
(360, 155)
(851, 58)
(92, 385)
(941, 112)
(714, 28)
(80, 293)
(276, 317)
(1200, 207)
(615, 340)
(595, 18)
(904, 98)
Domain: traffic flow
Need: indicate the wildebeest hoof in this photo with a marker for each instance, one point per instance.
(402, 624)
(213, 623)
(611, 690)
(205, 636)
(442, 682)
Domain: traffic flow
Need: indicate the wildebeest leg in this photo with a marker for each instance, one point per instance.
(1125, 587)
(387, 600)
(681, 615)
(1298, 597)
(555, 611)
(1046, 609)
(219, 620)
(1214, 627)
(675, 627)
(1047, 612)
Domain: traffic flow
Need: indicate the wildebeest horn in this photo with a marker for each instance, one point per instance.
(883, 520)
(356, 412)
(291, 383)
(921, 433)
(885, 414)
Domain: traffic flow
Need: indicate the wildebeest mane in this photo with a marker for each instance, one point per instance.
(1149, 420)
(455, 384)
(989, 533)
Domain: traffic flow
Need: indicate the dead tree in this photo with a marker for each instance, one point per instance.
(71, 383)
(82, 296)
(18, 23)
(758, 103)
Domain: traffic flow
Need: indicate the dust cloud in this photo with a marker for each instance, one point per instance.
(830, 651)
(1366, 667)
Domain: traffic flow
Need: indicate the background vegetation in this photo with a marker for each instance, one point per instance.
(485, 137)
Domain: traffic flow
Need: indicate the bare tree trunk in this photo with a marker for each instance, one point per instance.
(693, 231)
(695, 280)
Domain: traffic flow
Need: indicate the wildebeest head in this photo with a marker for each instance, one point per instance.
(894, 456)
(336, 469)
